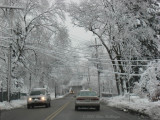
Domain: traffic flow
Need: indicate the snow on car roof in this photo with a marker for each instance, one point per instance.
(38, 89)
(84, 90)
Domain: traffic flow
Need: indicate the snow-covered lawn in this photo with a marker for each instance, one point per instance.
(19, 103)
(141, 105)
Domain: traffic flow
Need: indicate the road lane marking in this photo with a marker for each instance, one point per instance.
(54, 114)
(58, 112)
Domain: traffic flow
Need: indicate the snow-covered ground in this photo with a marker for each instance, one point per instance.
(135, 103)
(19, 103)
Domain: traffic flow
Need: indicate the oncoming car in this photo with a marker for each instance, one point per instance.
(38, 97)
(87, 99)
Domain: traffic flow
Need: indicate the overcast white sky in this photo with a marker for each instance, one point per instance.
(77, 34)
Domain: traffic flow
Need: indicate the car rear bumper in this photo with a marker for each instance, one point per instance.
(87, 104)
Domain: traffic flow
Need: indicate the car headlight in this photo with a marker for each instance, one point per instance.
(29, 99)
(43, 98)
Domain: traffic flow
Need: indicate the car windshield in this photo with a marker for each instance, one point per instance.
(38, 92)
(87, 93)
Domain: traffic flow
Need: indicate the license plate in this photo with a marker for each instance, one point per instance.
(87, 100)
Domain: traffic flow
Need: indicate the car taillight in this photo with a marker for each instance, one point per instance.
(80, 99)
(95, 99)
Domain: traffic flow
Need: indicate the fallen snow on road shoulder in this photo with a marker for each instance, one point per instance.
(52, 96)
(19, 103)
(141, 105)
(13, 104)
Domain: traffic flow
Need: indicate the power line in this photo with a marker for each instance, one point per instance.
(110, 60)
(47, 53)
(69, 51)
(102, 59)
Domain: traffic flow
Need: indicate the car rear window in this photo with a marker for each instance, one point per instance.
(38, 92)
(87, 93)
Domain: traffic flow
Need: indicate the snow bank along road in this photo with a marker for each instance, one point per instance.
(63, 109)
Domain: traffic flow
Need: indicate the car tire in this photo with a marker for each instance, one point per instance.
(98, 108)
(76, 108)
(28, 106)
(32, 106)
(49, 104)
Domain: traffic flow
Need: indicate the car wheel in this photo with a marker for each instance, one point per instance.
(32, 106)
(49, 104)
(28, 106)
(98, 108)
(46, 105)
(76, 108)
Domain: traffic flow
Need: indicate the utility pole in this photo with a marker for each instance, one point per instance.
(88, 78)
(129, 63)
(96, 46)
(55, 87)
(103, 86)
(9, 73)
(30, 81)
(10, 18)
(1, 92)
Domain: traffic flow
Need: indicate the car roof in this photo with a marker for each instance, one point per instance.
(35, 89)
(84, 90)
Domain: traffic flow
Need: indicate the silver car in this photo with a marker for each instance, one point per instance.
(38, 97)
(87, 99)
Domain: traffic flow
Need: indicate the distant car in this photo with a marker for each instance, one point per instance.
(86, 98)
(72, 92)
(38, 97)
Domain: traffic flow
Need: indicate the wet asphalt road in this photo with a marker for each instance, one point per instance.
(63, 109)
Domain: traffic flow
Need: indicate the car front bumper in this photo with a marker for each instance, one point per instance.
(37, 102)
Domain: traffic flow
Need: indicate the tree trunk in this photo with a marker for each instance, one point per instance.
(117, 84)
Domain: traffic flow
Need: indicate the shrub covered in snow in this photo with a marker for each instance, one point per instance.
(149, 83)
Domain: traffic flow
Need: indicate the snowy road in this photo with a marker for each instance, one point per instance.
(63, 109)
